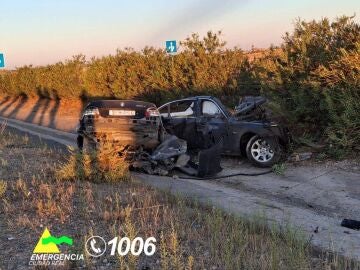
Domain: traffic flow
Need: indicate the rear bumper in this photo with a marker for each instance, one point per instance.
(140, 133)
(149, 140)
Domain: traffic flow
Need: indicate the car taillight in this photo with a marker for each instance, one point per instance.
(91, 112)
(152, 112)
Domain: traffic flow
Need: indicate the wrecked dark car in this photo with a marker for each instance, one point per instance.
(124, 122)
(203, 120)
(134, 129)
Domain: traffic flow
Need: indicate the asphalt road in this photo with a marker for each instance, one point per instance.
(308, 197)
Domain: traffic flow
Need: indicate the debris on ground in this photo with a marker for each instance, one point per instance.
(169, 148)
(351, 224)
(209, 162)
(296, 157)
(168, 155)
(172, 153)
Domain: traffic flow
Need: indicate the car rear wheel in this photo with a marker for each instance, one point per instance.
(80, 142)
(263, 152)
(87, 145)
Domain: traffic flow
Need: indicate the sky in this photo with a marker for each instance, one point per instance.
(41, 32)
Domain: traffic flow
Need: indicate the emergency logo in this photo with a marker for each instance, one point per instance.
(47, 252)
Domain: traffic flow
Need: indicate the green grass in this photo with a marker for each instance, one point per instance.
(279, 168)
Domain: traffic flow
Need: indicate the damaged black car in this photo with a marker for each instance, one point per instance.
(135, 130)
(203, 120)
(122, 122)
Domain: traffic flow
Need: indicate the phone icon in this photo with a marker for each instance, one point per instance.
(95, 246)
(92, 245)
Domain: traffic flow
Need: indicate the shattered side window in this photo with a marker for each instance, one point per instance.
(209, 108)
(183, 108)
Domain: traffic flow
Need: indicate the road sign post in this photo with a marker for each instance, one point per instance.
(171, 46)
(171, 49)
(2, 62)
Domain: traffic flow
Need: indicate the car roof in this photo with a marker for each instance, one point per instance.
(188, 98)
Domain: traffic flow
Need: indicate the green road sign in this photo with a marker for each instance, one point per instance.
(2, 62)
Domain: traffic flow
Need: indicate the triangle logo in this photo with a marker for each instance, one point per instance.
(45, 248)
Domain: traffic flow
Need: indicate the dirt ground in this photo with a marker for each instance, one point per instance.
(330, 188)
(189, 235)
(315, 192)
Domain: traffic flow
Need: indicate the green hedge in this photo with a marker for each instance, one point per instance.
(312, 79)
(203, 66)
(315, 80)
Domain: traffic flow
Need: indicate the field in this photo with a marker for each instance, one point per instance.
(34, 195)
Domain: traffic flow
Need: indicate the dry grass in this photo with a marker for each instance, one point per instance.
(3, 186)
(102, 165)
(189, 235)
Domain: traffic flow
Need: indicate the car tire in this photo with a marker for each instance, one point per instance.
(88, 145)
(263, 152)
(80, 142)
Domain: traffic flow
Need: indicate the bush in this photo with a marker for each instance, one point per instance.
(315, 80)
(203, 66)
(101, 165)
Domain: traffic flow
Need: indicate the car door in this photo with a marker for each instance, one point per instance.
(213, 120)
(179, 119)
